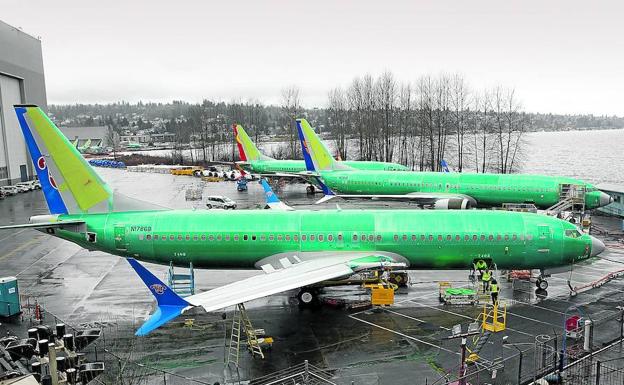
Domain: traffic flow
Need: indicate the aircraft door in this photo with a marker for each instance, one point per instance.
(544, 238)
(120, 237)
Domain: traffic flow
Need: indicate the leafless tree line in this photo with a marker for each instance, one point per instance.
(419, 124)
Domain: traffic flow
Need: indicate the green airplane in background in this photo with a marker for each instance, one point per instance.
(292, 249)
(440, 190)
(253, 160)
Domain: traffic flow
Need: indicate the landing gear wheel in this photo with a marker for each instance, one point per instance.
(310, 190)
(541, 284)
(208, 207)
(197, 173)
(306, 297)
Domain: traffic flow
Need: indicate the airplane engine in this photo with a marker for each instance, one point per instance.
(452, 204)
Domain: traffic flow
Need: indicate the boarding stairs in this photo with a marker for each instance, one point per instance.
(182, 284)
(304, 373)
(571, 198)
(242, 328)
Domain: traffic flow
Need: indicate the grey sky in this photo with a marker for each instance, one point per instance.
(561, 56)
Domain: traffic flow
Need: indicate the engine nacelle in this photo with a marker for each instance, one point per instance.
(452, 204)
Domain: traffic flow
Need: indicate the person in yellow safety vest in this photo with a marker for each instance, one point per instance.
(494, 291)
(481, 266)
(485, 278)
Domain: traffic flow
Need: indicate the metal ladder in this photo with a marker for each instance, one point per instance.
(571, 197)
(242, 324)
(181, 284)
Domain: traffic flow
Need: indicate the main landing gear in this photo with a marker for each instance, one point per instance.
(307, 297)
(310, 190)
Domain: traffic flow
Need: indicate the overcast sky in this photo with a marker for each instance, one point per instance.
(561, 56)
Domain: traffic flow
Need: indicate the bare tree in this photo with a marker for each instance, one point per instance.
(291, 109)
(338, 119)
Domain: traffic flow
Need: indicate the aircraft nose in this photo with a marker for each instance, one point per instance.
(605, 199)
(597, 246)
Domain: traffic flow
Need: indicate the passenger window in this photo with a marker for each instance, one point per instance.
(195, 238)
(236, 238)
(458, 237)
(171, 237)
(188, 237)
(340, 237)
(179, 237)
(514, 237)
(422, 237)
(320, 237)
(211, 237)
(287, 237)
(149, 237)
(355, 237)
(218, 237)
(227, 237)
(499, 237)
(490, 237)
(279, 237)
(506, 237)
(475, 237)
(449, 237)
(439, 237)
(483, 237)
(272, 237)
(529, 237)
(414, 237)
(431, 237)
(253, 237)
(263, 237)
(203, 237)
(371, 238)
(296, 238)
(396, 237)
(312, 237)
(466, 237)
(363, 237)
(245, 237)
(378, 238)
(155, 237)
(330, 237)
(404, 237)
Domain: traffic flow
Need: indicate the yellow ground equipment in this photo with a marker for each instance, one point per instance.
(382, 294)
(187, 170)
(212, 179)
(456, 296)
(493, 319)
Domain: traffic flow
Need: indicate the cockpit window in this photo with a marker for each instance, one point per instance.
(573, 233)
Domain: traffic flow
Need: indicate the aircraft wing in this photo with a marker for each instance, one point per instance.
(437, 200)
(281, 272)
(289, 276)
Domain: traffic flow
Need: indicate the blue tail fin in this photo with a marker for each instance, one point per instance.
(53, 197)
(304, 148)
(170, 305)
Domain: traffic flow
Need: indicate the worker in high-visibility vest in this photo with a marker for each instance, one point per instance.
(485, 279)
(481, 266)
(494, 291)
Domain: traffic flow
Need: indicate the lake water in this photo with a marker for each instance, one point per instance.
(594, 156)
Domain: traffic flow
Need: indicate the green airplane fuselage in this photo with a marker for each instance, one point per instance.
(486, 189)
(294, 166)
(425, 239)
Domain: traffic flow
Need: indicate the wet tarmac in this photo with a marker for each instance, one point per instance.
(405, 344)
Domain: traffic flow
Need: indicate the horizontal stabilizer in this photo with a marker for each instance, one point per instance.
(170, 305)
(325, 199)
(51, 225)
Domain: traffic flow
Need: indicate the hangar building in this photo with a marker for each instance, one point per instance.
(21, 82)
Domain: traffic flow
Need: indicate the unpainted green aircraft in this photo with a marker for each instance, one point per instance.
(293, 249)
(441, 190)
(253, 160)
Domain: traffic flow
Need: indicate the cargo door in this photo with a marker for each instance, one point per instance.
(120, 237)
(544, 238)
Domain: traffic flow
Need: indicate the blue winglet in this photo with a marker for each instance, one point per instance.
(304, 148)
(170, 305)
(326, 190)
(268, 192)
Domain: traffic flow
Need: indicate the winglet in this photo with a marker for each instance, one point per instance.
(271, 198)
(170, 305)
